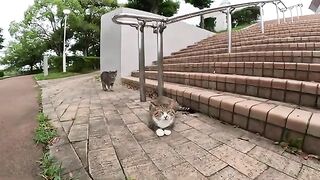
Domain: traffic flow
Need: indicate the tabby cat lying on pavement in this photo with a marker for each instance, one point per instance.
(162, 115)
(107, 79)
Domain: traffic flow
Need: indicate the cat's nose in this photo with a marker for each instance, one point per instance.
(166, 117)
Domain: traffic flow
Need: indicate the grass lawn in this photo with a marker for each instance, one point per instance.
(237, 28)
(241, 27)
(4, 77)
(54, 75)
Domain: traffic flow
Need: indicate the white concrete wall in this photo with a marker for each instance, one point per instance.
(110, 46)
(119, 43)
(221, 21)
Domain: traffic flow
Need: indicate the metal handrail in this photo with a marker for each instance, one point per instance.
(217, 9)
(159, 24)
(117, 18)
(147, 19)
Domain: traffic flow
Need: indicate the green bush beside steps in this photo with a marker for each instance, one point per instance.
(77, 64)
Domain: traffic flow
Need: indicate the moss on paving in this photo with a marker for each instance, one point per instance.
(44, 134)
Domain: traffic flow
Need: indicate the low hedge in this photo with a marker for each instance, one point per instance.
(75, 63)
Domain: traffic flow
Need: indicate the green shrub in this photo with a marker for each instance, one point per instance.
(245, 16)
(75, 63)
(55, 62)
(210, 24)
(93, 63)
(1, 73)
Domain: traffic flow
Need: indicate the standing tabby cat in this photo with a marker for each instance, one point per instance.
(162, 115)
(107, 79)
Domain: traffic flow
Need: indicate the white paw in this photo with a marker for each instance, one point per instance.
(160, 132)
(167, 132)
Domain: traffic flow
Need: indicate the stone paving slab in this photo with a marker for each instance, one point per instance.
(104, 135)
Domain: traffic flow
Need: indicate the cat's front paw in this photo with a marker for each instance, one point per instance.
(160, 132)
(167, 132)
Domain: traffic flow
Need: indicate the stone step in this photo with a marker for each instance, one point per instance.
(307, 40)
(292, 26)
(302, 93)
(259, 37)
(259, 56)
(257, 31)
(274, 120)
(310, 46)
(277, 27)
(305, 18)
(296, 71)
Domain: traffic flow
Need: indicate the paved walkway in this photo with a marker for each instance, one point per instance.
(110, 140)
(18, 110)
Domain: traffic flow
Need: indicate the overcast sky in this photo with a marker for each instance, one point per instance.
(13, 10)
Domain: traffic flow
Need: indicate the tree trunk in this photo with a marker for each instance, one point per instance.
(31, 67)
(85, 52)
(155, 10)
(202, 21)
(155, 6)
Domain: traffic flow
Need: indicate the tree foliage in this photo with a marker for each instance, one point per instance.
(26, 51)
(86, 25)
(1, 39)
(210, 24)
(163, 7)
(245, 16)
(42, 30)
(201, 4)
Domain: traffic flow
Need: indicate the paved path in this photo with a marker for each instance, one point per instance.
(110, 140)
(18, 110)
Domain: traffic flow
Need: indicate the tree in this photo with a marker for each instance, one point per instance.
(1, 39)
(210, 24)
(27, 50)
(86, 25)
(42, 30)
(47, 19)
(245, 16)
(163, 7)
(201, 4)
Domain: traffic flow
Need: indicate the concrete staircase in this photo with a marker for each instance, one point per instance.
(269, 85)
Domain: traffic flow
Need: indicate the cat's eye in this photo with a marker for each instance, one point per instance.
(157, 114)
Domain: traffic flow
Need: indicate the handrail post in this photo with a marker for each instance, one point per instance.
(261, 18)
(277, 9)
(301, 10)
(297, 9)
(291, 14)
(159, 31)
(229, 30)
(284, 16)
(142, 79)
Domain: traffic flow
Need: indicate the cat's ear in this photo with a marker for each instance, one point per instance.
(152, 106)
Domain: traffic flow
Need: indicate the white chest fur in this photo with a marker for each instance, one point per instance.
(163, 123)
